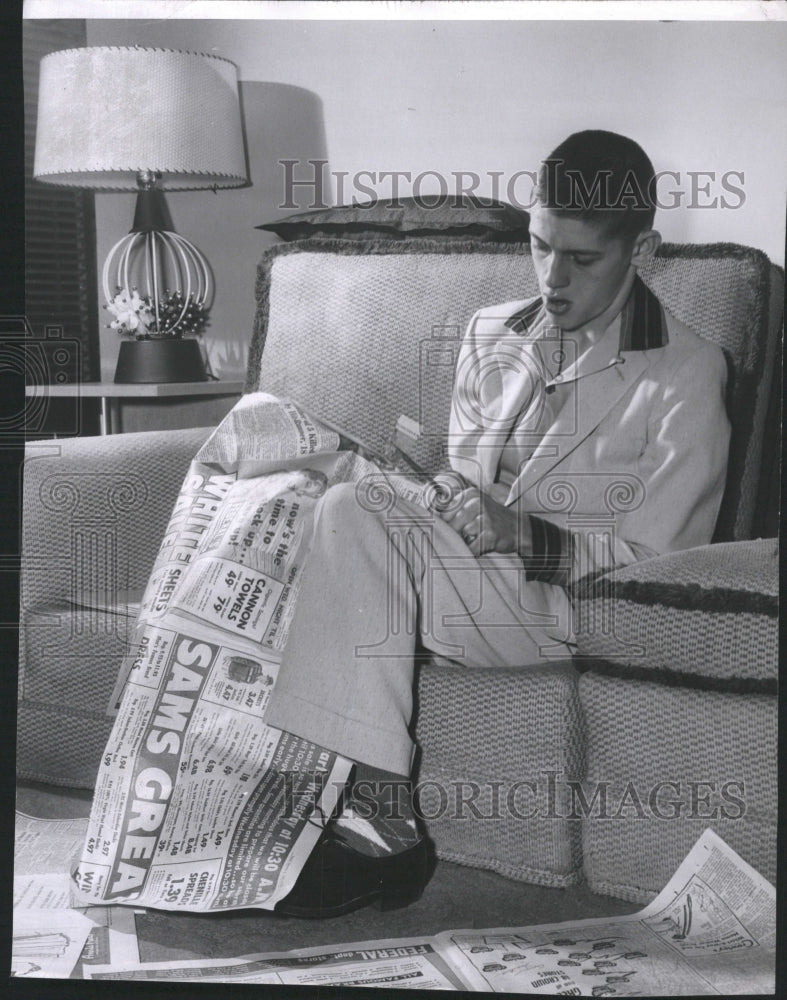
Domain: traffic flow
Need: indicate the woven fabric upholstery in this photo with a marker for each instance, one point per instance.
(647, 733)
(732, 296)
(363, 337)
(58, 748)
(95, 510)
(70, 659)
(483, 734)
(362, 332)
(94, 513)
(710, 611)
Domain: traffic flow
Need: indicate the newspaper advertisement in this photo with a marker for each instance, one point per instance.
(112, 939)
(43, 849)
(199, 805)
(47, 943)
(711, 931)
(407, 963)
(50, 938)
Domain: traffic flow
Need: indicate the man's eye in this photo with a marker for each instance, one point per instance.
(582, 261)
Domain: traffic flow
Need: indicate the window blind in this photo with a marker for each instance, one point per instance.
(60, 264)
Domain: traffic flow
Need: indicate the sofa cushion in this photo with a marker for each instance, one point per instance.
(665, 763)
(360, 336)
(85, 502)
(69, 659)
(707, 616)
(732, 296)
(499, 749)
(399, 218)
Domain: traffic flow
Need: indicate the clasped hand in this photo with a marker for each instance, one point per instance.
(484, 524)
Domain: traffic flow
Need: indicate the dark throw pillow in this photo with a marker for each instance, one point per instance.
(401, 218)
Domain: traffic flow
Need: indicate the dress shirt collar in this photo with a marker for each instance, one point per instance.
(643, 324)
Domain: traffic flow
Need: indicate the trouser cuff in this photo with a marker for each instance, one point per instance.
(352, 738)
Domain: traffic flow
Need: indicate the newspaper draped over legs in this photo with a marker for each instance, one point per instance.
(199, 805)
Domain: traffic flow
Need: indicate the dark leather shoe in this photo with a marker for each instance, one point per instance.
(337, 879)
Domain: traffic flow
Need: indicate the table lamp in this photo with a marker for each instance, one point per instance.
(147, 120)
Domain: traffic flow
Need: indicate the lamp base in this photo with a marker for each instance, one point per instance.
(168, 360)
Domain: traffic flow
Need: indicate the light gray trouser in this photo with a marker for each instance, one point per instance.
(374, 580)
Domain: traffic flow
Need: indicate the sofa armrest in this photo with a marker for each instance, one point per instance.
(94, 511)
(706, 616)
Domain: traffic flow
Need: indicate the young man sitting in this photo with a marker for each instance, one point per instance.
(589, 395)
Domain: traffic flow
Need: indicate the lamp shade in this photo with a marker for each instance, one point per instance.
(107, 113)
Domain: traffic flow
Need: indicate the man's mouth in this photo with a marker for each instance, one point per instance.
(556, 306)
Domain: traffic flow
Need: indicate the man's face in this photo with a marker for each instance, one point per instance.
(579, 266)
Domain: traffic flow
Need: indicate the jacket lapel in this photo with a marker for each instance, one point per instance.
(592, 396)
(589, 401)
(508, 376)
(515, 388)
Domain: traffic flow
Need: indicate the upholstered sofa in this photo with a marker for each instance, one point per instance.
(607, 766)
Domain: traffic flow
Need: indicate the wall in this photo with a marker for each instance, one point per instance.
(475, 96)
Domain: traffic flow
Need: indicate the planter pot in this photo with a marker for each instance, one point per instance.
(160, 361)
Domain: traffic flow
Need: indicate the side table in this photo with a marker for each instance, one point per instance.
(112, 393)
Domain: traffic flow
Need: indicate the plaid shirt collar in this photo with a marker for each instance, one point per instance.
(643, 323)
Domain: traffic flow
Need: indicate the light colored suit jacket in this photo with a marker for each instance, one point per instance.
(632, 464)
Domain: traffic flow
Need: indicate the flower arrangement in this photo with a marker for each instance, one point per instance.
(137, 316)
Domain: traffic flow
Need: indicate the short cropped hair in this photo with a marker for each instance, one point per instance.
(600, 177)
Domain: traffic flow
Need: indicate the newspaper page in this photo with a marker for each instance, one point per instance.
(199, 805)
(407, 963)
(112, 940)
(49, 891)
(711, 931)
(43, 850)
(47, 943)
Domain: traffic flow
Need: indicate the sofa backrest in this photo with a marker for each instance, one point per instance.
(362, 332)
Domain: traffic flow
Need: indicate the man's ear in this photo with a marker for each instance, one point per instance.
(645, 246)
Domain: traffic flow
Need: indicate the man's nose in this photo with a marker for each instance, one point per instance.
(556, 274)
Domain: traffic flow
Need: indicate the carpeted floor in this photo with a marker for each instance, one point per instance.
(455, 897)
